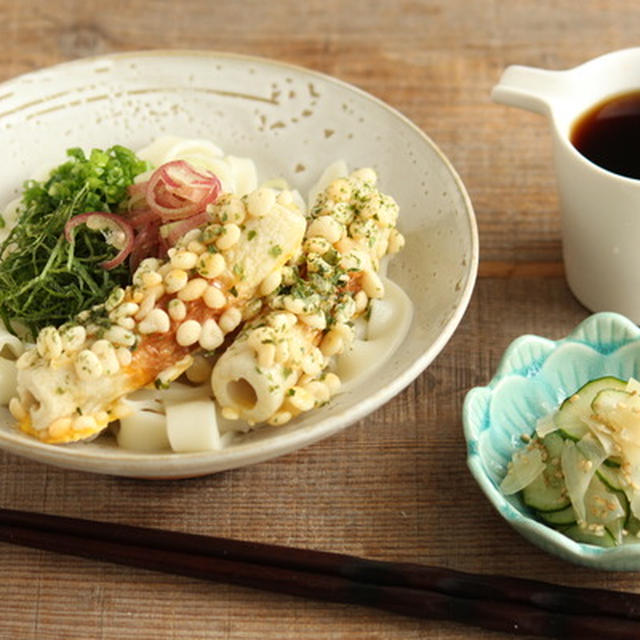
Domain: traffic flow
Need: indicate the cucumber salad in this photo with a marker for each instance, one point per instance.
(580, 472)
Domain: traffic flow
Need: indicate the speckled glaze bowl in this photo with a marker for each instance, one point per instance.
(534, 376)
(293, 123)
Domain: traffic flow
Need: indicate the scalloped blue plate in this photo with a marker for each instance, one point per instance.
(534, 376)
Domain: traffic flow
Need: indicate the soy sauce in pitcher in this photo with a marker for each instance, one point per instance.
(608, 134)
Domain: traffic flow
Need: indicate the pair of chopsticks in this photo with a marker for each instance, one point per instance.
(500, 603)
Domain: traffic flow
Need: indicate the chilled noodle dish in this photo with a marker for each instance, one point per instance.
(170, 298)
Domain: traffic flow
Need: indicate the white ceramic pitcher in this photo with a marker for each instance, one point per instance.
(600, 210)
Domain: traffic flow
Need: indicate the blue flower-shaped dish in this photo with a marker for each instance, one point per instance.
(534, 376)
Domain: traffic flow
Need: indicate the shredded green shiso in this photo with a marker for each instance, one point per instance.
(44, 279)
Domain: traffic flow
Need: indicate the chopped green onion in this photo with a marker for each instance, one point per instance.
(45, 280)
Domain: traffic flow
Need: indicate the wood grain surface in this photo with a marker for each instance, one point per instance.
(395, 485)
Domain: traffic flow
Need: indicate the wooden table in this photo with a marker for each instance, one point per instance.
(395, 485)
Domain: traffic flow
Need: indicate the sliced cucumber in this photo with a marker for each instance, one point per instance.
(547, 492)
(633, 529)
(579, 534)
(559, 518)
(606, 507)
(613, 480)
(576, 408)
(553, 444)
(617, 530)
(611, 477)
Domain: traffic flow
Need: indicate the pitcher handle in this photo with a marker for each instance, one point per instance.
(530, 88)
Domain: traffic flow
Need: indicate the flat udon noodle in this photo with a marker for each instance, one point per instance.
(337, 169)
(181, 418)
(237, 175)
(192, 423)
(388, 325)
(145, 428)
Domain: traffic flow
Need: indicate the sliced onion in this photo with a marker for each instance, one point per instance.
(166, 206)
(163, 246)
(137, 195)
(145, 245)
(526, 466)
(546, 425)
(137, 188)
(604, 504)
(176, 190)
(633, 386)
(142, 217)
(118, 233)
(603, 434)
(634, 498)
(579, 464)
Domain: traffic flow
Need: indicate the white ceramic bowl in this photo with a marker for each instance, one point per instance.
(293, 122)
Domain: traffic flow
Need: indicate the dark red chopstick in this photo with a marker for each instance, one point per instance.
(493, 602)
(546, 596)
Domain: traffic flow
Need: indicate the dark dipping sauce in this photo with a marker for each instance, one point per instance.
(608, 134)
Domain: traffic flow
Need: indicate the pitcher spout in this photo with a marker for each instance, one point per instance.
(530, 88)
